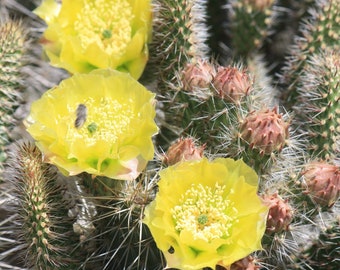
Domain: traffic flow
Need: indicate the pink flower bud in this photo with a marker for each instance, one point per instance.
(197, 75)
(280, 213)
(183, 149)
(265, 130)
(323, 182)
(232, 84)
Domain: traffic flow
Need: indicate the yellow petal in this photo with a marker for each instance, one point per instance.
(107, 141)
(216, 191)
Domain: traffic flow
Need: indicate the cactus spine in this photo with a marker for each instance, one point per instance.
(13, 41)
(43, 228)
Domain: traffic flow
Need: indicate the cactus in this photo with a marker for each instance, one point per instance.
(251, 80)
(253, 19)
(324, 252)
(180, 38)
(318, 104)
(122, 240)
(319, 31)
(43, 229)
(13, 43)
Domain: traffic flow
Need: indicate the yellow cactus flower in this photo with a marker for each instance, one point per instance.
(206, 213)
(101, 123)
(83, 35)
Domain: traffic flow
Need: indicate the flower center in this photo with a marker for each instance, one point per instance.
(106, 23)
(205, 212)
(105, 120)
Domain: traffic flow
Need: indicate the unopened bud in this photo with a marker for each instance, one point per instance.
(183, 149)
(265, 130)
(232, 84)
(323, 182)
(280, 213)
(198, 75)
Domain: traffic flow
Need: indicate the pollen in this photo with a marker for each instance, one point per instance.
(107, 120)
(205, 212)
(105, 23)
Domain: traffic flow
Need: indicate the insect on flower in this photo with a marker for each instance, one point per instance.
(81, 116)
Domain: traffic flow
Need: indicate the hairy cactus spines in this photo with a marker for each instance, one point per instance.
(318, 32)
(323, 182)
(318, 108)
(180, 37)
(322, 251)
(13, 41)
(250, 21)
(43, 228)
(123, 241)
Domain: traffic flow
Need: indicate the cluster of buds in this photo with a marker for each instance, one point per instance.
(229, 83)
(323, 182)
(183, 149)
(265, 130)
(280, 213)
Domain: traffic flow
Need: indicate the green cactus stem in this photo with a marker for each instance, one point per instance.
(318, 32)
(323, 252)
(13, 42)
(43, 229)
(249, 25)
(180, 37)
(318, 108)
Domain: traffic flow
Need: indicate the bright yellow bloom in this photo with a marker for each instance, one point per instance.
(83, 35)
(101, 123)
(206, 212)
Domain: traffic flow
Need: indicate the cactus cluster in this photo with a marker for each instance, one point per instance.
(239, 100)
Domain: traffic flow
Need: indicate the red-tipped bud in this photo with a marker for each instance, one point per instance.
(183, 149)
(265, 130)
(280, 213)
(323, 182)
(198, 75)
(232, 84)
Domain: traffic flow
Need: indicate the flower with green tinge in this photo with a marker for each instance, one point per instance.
(83, 35)
(101, 123)
(206, 213)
